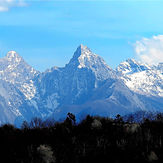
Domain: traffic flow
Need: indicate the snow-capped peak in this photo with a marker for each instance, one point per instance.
(142, 78)
(87, 58)
(13, 56)
(131, 66)
(15, 70)
(85, 50)
(82, 52)
(84, 57)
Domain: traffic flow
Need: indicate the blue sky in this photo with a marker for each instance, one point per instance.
(46, 33)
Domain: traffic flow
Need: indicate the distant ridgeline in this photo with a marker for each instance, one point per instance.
(86, 85)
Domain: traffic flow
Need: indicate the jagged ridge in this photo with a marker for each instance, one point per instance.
(86, 85)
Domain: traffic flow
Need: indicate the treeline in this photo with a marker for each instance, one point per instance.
(134, 138)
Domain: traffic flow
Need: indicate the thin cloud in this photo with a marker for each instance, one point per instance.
(150, 50)
(5, 5)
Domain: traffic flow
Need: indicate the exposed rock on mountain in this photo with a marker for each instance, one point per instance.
(86, 85)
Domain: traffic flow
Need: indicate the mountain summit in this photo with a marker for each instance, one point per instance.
(86, 85)
(83, 55)
(13, 56)
(131, 66)
(84, 58)
(142, 78)
(15, 70)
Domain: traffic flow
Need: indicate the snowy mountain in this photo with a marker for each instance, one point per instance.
(141, 78)
(16, 88)
(86, 85)
(131, 66)
(74, 83)
(15, 70)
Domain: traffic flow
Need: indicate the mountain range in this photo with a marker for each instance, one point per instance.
(86, 85)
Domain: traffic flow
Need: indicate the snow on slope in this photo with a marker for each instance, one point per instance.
(141, 78)
(15, 70)
(16, 89)
(131, 66)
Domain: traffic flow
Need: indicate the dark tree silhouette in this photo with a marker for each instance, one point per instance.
(94, 139)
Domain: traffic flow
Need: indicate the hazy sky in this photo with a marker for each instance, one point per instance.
(47, 32)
